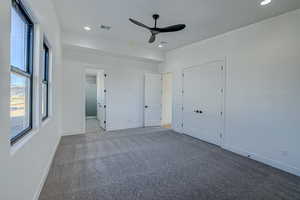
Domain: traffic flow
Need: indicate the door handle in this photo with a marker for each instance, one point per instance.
(146, 106)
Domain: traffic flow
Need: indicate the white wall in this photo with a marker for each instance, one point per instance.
(24, 165)
(262, 92)
(115, 47)
(124, 84)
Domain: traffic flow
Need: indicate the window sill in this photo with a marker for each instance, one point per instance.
(19, 144)
(46, 121)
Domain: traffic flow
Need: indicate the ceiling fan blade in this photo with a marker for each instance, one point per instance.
(152, 38)
(139, 23)
(173, 28)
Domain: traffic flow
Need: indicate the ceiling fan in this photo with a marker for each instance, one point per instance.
(155, 30)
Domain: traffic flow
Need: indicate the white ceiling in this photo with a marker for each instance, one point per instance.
(204, 18)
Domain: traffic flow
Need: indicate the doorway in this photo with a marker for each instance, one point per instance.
(158, 100)
(95, 101)
(167, 88)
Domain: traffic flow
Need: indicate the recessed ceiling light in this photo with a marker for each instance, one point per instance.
(265, 2)
(87, 28)
(162, 44)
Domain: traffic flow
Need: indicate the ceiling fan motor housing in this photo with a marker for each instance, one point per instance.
(155, 16)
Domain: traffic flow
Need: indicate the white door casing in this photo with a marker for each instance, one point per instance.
(167, 83)
(203, 99)
(153, 98)
(101, 99)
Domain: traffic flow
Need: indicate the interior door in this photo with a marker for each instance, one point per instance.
(153, 98)
(101, 100)
(203, 101)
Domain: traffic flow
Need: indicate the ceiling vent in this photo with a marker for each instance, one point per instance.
(105, 27)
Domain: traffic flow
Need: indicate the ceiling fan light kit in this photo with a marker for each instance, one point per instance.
(155, 30)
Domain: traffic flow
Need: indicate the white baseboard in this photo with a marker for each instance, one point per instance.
(270, 162)
(91, 117)
(45, 173)
(273, 163)
(76, 132)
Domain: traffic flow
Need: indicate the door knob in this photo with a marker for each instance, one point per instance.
(146, 106)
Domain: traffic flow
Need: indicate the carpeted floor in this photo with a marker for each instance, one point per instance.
(159, 164)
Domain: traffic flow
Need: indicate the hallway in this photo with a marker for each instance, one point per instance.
(92, 126)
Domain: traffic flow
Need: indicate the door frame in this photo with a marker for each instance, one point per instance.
(96, 71)
(223, 98)
(172, 91)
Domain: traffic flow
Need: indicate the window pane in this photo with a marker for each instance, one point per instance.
(19, 38)
(45, 62)
(44, 71)
(19, 104)
(43, 65)
(44, 100)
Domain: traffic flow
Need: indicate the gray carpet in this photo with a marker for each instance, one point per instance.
(159, 164)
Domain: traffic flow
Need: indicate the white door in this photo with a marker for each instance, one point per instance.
(153, 92)
(101, 100)
(203, 101)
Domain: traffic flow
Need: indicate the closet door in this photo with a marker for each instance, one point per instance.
(203, 102)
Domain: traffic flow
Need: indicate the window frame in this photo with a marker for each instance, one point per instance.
(46, 76)
(22, 12)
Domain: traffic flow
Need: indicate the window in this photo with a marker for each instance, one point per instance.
(45, 82)
(21, 71)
